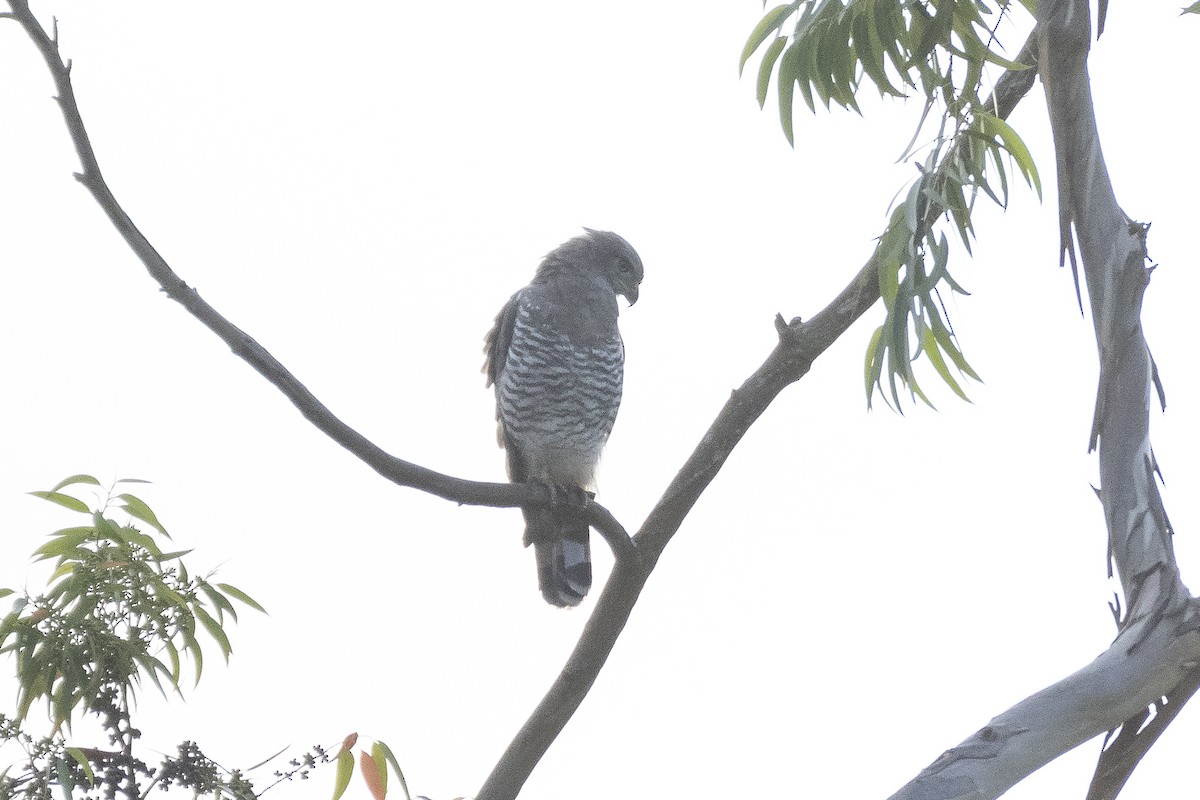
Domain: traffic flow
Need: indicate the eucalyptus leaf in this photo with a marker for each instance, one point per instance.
(64, 500)
(75, 479)
(345, 771)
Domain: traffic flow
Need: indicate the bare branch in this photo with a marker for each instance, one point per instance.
(396, 470)
(1126, 750)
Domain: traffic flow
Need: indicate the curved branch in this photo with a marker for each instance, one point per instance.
(396, 470)
(800, 343)
(1157, 650)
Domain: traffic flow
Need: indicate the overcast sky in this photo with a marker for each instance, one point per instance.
(362, 186)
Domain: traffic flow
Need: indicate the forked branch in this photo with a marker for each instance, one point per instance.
(1157, 649)
(799, 344)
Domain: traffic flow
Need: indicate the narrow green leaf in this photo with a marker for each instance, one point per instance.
(64, 500)
(62, 769)
(946, 340)
(151, 667)
(770, 23)
(108, 529)
(171, 556)
(214, 630)
(870, 51)
(66, 544)
(192, 646)
(893, 370)
(913, 206)
(806, 67)
(889, 254)
(889, 27)
(84, 764)
(1001, 172)
(267, 759)
(787, 88)
(379, 748)
(820, 65)
(74, 479)
(238, 594)
(5, 592)
(918, 393)
(167, 593)
(934, 30)
(32, 687)
(64, 569)
(220, 601)
(345, 771)
(145, 541)
(767, 67)
(1194, 8)
(62, 702)
(935, 357)
(139, 510)
(873, 368)
(173, 657)
(842, 62)
(814, 12)
(11, 620)
(975, 61)
(1012, 142)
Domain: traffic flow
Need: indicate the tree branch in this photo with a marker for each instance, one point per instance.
(396, 470)
(800, 343)
(1157, 649)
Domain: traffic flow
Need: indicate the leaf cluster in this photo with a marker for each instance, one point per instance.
(835, 44)
(374, 766)
(913, 254)
(940, 49)
(117, 610)
(50, 763)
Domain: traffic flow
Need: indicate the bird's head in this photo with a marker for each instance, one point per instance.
(616, 259)
(599, 257)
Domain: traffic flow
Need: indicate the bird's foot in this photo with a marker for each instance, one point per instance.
(566, 496)
(563, 513)
(575, 497)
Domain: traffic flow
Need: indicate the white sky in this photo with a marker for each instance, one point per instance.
(361, 187)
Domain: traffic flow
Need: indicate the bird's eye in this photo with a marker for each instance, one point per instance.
(623, 266)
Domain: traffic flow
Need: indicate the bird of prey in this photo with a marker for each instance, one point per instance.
(557, 361)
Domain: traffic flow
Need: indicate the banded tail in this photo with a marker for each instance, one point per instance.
(564, 556)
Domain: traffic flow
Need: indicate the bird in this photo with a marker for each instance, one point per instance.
(556, 359)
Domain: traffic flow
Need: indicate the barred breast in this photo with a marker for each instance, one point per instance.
(558, 400)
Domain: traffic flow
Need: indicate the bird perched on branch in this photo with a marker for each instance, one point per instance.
(557, 361)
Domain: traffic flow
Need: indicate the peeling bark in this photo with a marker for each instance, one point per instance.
(1157, 649)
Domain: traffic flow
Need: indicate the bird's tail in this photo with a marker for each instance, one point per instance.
(564, 556)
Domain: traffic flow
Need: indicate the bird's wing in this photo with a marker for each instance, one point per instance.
(498, 340)
(495, 347)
